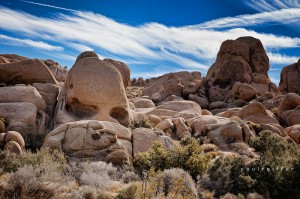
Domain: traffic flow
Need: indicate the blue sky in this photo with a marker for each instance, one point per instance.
(152, 37)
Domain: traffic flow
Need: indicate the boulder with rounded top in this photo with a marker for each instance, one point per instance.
(27, 72)
(92, 140)
(93, 90)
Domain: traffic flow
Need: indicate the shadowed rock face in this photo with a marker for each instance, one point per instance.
(242, 60)
(93, 90)
(290, 79)
(58, 72)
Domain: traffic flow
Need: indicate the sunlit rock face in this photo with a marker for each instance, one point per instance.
(93, 90)
(92, 140)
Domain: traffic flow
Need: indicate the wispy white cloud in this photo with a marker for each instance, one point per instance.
(271, 5)
(282, 16)
(187, 47)
(282, 59)
(79, 47)
(4, 39)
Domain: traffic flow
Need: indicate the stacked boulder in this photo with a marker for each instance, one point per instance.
(11, 141)
(180, 84)
(239, 75)
(90, 117)
(93, 112)
(28, 96)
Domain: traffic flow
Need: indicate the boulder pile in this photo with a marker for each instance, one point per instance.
(95, 111)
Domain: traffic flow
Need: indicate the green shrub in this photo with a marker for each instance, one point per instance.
(276, 153)
(231, 175)
(188, 156)
(140, 122)
(226, 175)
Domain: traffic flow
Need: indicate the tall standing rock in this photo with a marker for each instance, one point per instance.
(94, 90)
(242, 60)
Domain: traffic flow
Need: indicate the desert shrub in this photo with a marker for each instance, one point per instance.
(188, 156)
(209, 147)
(280, 177)
(243, 149)
(170, 183)
(140, 122)
(226, 175)
(274, 175)
(43, 181)
(99, 174)
(129, 192)
(130, 176)
(11, 162)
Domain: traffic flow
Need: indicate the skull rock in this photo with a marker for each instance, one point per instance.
(92, 140)
(93, 90)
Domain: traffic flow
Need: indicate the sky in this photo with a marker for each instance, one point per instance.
(153, 37)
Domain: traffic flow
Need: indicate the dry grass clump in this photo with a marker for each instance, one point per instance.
(46, 174)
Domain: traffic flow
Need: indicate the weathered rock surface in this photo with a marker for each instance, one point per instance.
(26, 72)
(13, 57)
(294, 133)
(94, 90)
(92, 140)
(22, 117)
(221, 131)
(27, 109)
(242, 60)
(22, 93)
(143, 140)
(254, 112)
(289, 109)
(14, 136)
(290, 79)
(13, 147)
(58, 72)
(179, 84)
(122, 68)
(173, 109)
(143, 103)
(12, 141)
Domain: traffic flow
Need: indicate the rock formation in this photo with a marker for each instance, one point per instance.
(290, 79)
(93, 90)
(28, 97)
(92, 140)
(239, 73)
(12, 141)
(97, 112)
(180, 84)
